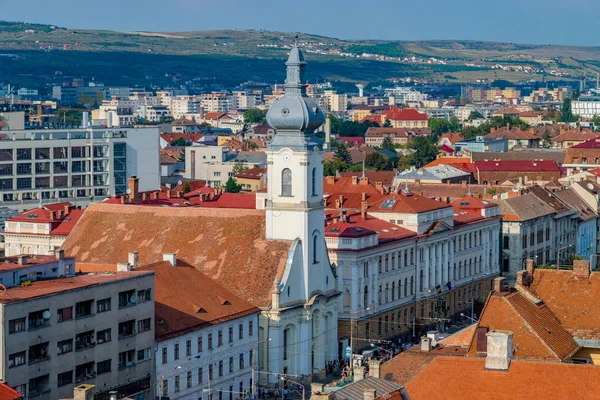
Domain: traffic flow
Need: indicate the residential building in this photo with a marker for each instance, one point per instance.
(403, 95)
(536, 171)
(574, 137)
(336, 102)
(261, 131)
(152, 113)
(482, 144)
(205, 334)
(405, 118)
(215, 102)
(517, 138)
(438, 174)
(77, 165)
(253, 179)
(40, 231)
(446, 113)
(375, 136)
(274, 257)
(583, 157)
(586, 106)
(115, 113)
(548, 95)
(61, 328)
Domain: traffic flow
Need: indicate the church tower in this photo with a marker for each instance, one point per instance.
(295, 208)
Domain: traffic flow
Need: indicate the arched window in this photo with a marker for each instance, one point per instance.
(286, 182)
(314, 181)
(421, 279)
(412, 285)
(454, 275)
(380, 294)
(315, 248)
(387, 290)
(406, 287)
(366, 297)
(393, 291)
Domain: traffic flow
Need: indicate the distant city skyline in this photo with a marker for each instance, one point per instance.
(561, 22)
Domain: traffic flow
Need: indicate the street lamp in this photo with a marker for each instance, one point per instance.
(466, 316)
(301, 385)
(558, 255)
(161, 380)
(253, 389)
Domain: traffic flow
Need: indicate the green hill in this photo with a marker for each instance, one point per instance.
(49, 54)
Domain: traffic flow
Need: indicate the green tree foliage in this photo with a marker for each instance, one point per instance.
(231, 186)
(187, 187)
(387, 124)
(546, 141)
(596, 122)
(350, 128)
(378, 162)
(342, 154)
(390, 49)
(330, 168)
(387, 144)
(255, 116)
(68, 116)
(439, 126)
(425, 150)
(502, 84)
(239, 167)
(567, 114)
(475, 115)
(180, 142)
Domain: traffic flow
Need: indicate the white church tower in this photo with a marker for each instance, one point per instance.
(302, 321)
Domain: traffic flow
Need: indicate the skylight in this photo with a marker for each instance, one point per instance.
(335, 230)
(389, 203)
(32, 216)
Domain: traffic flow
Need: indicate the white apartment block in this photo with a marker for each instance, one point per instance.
(76, 165)
(152, 113)
(586, 108)
(336, 102)
(215, 102)
(401, 95)
(61, 329)
(241, 100)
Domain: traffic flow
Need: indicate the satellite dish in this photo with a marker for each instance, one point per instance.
(179, 183)
(46, 314)
(128, 191)
(132, 299)
(590, 186)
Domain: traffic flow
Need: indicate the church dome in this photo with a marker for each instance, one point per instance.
(294, 111)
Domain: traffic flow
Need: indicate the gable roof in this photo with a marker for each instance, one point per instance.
(409, 203)
(405, 114)
(523, 155)
(227, 245)
(524, 207)
(355, 390)
(384, 132)
(576, 134)
(511, 134)
(182, 291)
(518, 166)
(452, 137)
(356, 226)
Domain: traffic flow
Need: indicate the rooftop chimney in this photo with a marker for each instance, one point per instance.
(379, 187)
(425, 343)
(355, 180)
(374, 368)
(83, 392)
(499, 350)
(530, 268)
(359, 373)
(523, 278)
(363, 209)
(134, 187)
(370, 394)
(171, 258)
(499, 284)
(59, 254)
(22, 259)
(581, 269)
(123, 267)
(134, 259)
(364, 180)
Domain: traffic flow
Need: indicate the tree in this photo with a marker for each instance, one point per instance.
(231, 186)
(342, 154)
(567, 113)
(378, 162)
(439, 126)
(350, 128)
(73, 117)
(180, 142)
(387, 124)
(596, 121)
(475, 115)
(546, 141)
(255, 116)
(239, 167)
(330, 168)
(387, 144)
(457, 99)
(425, 150)
(187, 187)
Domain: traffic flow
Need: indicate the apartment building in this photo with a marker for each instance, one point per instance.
(336, 102)
(61, 328)
(215, 102)
(204, 334)
(76, 165)
(402, 95)
(586, 106)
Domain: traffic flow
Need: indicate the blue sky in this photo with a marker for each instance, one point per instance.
(517, 21)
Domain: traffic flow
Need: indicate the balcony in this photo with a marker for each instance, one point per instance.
(38, 353)
(84, 341)
(39, 319)
(126, 359)
(83, 309)
(126, 329)
(84, 372)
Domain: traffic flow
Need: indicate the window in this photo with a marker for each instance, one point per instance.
(379, 326)
(84, 340)
(65, 346)
(144, 325)
(242, 361)
(126, 329)
(241, 331)
(315, 248)
(176, 351)
(144, 354)
(506, 242)
(188, 347)
(16, 325)
(127, 299)
(103, 336)
(16, 359)
(64, 314)
(231, 334)
(220, 367)
(200, 375)
(103, 305)
(199, 344)
(23, 154)
(37, 320)
(143, 296)
(189, 379)
(103, 367)
(24, 169)
(250, 328)
(210, 372)
(164, 355)
(220, 339)
(65, 378)
(286, 182)
(126, 359)
(314, 181)
(210, 346)
(176, 383)
(230, 365)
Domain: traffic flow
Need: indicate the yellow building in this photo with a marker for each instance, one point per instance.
(253, 179)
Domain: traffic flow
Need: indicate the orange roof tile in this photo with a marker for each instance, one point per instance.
(186, 300)
(405, 114)
(356, 226)
(385, 177)
(461, 338)
(406, 203)
(227, 245)
(465, 378)
(68, 223)
(8, 393)
(448, 161)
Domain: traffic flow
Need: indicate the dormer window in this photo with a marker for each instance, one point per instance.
(286, 182)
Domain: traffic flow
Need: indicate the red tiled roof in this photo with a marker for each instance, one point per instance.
(452, 137)
(448, 161)
(461, 338)
(187, 300)
(372, 118)
(405, 114)
(461, 378)
(227, 245)
(232, 200)
(214, 115)
(511, 134)
(385, 177)
(6, 392)
(519, 166)
(345, 185)
(472, 203)
(351, 139)
(184, 122)
(395, 132)
(588, 144)
(42, 215)
(406, 203)
(252, 173)
(356, 226)
(188, 137)
(12, 262)
(576, 134)
(68, 223)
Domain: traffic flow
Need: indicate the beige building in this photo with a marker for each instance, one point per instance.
(61, 329)
(253, 179)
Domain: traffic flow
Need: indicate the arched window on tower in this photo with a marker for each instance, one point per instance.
(314, 181)
(366, 297)
(286, 182)
(315, 250)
